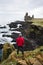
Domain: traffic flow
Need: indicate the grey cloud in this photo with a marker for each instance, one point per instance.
(11, 10)
(36, 3)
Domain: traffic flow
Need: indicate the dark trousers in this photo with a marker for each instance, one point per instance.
(20, 48)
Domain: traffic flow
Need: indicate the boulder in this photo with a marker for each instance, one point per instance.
(21, 62)
(37, 63)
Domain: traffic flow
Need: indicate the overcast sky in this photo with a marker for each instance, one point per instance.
(11, 10)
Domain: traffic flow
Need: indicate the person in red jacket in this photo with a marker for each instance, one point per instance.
(20, 43)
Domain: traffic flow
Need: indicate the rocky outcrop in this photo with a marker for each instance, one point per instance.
(29, 31)
(30, 58)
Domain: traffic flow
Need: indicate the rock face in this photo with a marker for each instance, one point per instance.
(29, 31)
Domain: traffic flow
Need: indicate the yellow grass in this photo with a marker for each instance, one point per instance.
(38, 21)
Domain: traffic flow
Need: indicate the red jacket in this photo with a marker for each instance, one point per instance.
(20, 41)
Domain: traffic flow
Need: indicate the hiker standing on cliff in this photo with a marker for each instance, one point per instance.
(20, 43)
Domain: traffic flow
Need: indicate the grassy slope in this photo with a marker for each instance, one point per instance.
(38, 21)
(29, 55)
